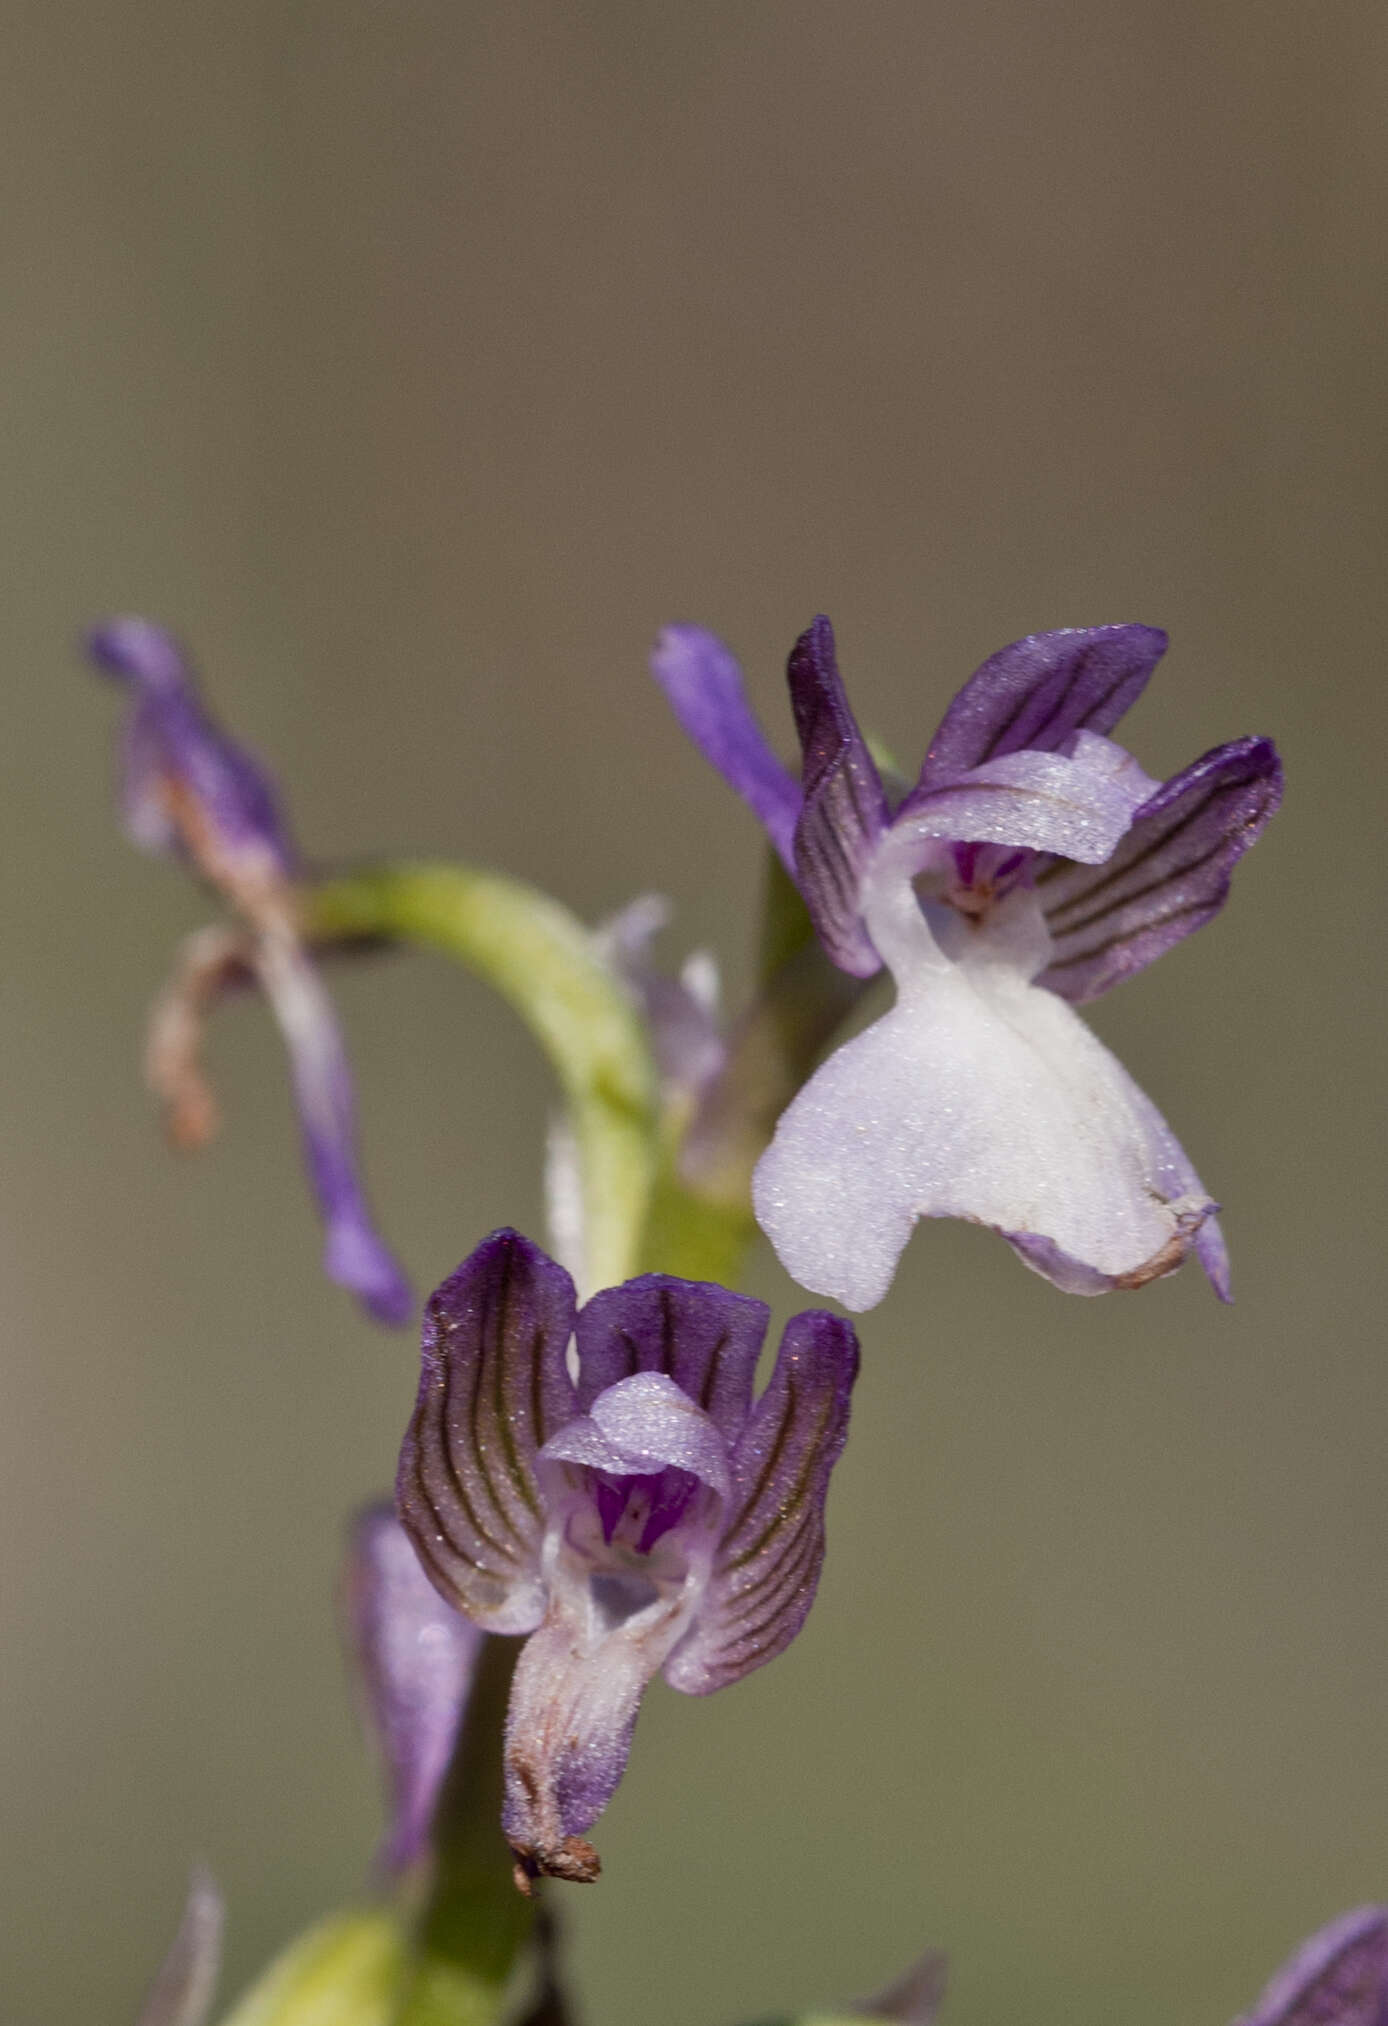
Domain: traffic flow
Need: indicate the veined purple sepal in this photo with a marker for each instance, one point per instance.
(772, 1549)
(183, 1990)
(1337, 1978)
(844, 812)
(703, 682)
(707, 1339)
(493, 1388)
(1038, 692)
(187, 786)
(1167, 877)
(415, 1653)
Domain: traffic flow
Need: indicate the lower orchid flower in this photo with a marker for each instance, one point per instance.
(638, 1514)
(189, 791)
(1033, 865)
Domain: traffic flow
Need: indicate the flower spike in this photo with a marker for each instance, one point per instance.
(189, 791)
(1033, 864)
(648, 1516)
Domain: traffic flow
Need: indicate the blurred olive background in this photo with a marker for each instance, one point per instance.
(419, 361)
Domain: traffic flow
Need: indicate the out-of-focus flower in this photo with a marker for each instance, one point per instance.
(1033, 864)
(1338, 1978)
(182, 1993)
(642, 1514)
(188, 790)
(415, 1654)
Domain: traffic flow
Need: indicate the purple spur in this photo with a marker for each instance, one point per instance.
(1032, 866)
(1337, 1978)
(189, 791)
(638, 1513)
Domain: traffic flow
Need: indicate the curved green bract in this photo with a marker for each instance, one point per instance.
(346, 1971)
(542, 960)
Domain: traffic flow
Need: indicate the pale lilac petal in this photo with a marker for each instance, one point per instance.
(416, 1654)
(641, 1426)
(978, 1096)
(700, 676)
(772, 1549)
(354, 1253)
(1167, 877)
(845, 808)
(1034, 694)
(1078, 803)
(182, 1993)
(681, 1012)
(494, 1387)
(707, 1340)
(1338, 1978)
(172, 749)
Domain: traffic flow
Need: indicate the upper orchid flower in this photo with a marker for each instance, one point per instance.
(1338, 1978)
(1032, 864)
(644, 1515)
(188, 790)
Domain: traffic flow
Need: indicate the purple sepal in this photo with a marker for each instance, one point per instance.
(1168, 876)
(415, 1654)
(493, 1388)
(180, 768)
(771, 1551)
(182, 1992)
(354, 1253)
(1338, 1978)
(707, 1339)
(845, 807)
(1034, 694)
(703, 682)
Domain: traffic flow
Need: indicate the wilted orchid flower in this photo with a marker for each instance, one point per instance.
(188, 790)
(1338, 1978)
(643, 1515)
(1033, 864)
(416, 1655)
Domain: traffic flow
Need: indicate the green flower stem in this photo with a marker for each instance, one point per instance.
(542, 960)
(475, 1922)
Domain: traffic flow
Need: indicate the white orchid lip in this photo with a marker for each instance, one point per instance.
(981, 1095)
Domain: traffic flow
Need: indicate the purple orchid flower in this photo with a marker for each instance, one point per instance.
(416, 1655)
(1032, 866)
(189, 791)
(641, 1515)
(1338, 1978)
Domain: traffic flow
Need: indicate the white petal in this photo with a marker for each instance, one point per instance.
(978, 1096)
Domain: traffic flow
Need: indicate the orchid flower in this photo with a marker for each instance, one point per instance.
(415, 1655)
(1032, 866)
(1338, 1978)
(639, 1514)
(188, 791)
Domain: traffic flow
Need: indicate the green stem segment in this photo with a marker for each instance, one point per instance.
(475, 1922)
(541, 959)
